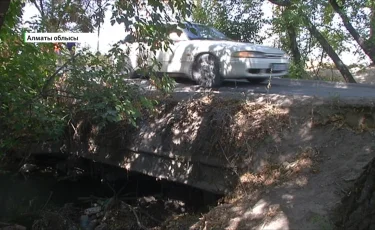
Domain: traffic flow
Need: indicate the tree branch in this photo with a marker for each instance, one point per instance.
(321, 39)
(3, 11)
(371, 40)
(140, 225)
(42, 13)
(329, 50)
(281, 2)
(345, 19)
(61, 14)
(51, 79)
(366, 45)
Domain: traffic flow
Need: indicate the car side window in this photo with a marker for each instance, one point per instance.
(191, 32)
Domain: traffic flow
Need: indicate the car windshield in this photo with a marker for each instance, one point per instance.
(201, 32)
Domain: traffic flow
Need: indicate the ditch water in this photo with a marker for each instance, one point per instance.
(48, 184)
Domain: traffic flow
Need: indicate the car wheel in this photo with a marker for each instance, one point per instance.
(206, 71)
(257, 80)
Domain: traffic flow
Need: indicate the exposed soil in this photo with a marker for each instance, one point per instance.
(294, 159)
(301, 193)
(295, 175)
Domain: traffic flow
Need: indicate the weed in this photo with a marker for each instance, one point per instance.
(322, 222)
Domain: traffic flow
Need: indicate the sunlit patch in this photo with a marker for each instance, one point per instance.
(287, 197)
(92, 146)
(301, 181)
(275, 174)
(257, 211)
(278, 222)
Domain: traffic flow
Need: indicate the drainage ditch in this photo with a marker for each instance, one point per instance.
(45, 186)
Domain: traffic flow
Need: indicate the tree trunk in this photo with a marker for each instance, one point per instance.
(323, 42)
(370, 42)
(4, 5)
(329, 50)
(296, 54)
(293, 44)
(98, 43)
(366, 45)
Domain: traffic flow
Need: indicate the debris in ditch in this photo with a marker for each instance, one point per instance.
(28, 168)
(140, 225)
(175, 205)
(140, 216)
(102, 226)
(54, 220)
(93, 210)
(101, 216)
(8, 226)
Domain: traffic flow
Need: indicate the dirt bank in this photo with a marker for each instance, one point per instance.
(294, 168)
(291, 159)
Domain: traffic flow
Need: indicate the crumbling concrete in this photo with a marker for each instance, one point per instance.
(201, 145)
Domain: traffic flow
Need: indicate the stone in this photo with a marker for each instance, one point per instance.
(27, 168)
(93, 210)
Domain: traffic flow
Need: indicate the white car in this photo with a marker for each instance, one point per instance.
(207, 56)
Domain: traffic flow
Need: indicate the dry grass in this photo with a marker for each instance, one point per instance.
(226, 129)
(273, 174)
(358, 119)
(361, 75)
(240, 127)
(246, 202)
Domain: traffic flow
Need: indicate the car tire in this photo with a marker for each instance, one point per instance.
(257, 80)
(206, 71)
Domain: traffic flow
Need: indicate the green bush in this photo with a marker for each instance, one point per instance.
(37, 103)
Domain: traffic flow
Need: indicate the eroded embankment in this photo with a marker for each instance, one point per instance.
(284, 162)
(200, 141)
(296, 176)
(209, 136)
